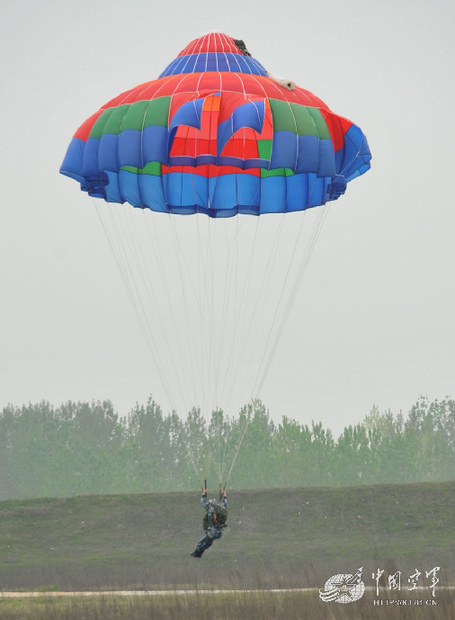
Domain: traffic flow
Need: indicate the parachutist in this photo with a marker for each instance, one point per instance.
(242, 47)
(214, 522)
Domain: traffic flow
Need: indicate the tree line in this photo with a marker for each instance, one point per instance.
(87, 448)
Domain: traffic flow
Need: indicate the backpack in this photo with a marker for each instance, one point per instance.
(220, 515)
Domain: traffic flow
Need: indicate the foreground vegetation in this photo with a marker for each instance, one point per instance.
(82, 448)
(238, 606)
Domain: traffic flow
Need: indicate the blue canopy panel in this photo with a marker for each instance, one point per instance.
(224, 196)
(214, 61)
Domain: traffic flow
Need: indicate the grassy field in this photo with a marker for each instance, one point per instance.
(277, 538)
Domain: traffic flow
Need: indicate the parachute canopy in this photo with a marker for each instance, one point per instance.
(216, 134)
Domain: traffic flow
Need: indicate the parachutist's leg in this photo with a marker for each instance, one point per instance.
(202, 545)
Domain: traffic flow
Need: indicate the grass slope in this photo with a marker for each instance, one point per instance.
(292, 537)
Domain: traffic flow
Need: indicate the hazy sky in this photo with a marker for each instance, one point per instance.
(374, 319)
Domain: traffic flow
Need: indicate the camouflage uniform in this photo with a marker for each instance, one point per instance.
(213, 531)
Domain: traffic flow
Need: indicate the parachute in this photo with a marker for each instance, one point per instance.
(214, 135)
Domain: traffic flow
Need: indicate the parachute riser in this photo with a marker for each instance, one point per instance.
(222, 488)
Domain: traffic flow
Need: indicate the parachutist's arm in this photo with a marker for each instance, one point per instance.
(204, 501)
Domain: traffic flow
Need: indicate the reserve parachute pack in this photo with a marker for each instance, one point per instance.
(220, 514)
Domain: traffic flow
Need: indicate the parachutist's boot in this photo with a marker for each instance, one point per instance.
(196, 554)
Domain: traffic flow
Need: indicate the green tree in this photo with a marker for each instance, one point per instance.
(321, 456)
(386, 441)
(292, 453)
(254, 466)
(150, 453)
(94, 442)
(354, 457)
(429, 442)
(7, 430)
